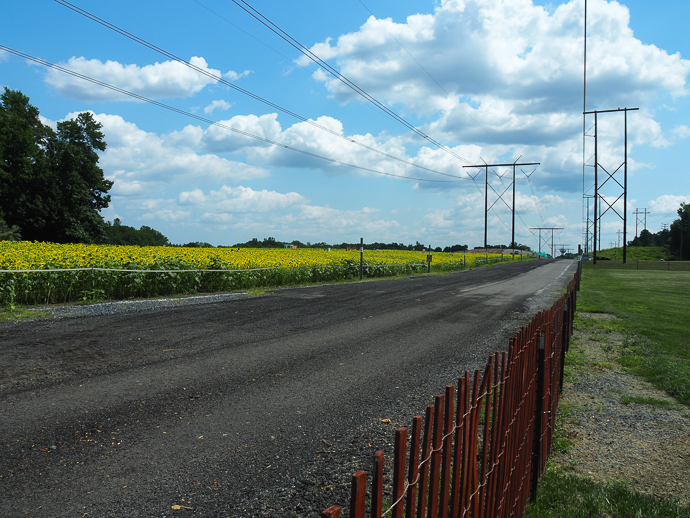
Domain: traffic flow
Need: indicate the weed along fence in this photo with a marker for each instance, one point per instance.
(482, 447)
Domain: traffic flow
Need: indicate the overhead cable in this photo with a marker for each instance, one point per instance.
(218, 15)
(204, 119)
(224, 81)
(328, 68)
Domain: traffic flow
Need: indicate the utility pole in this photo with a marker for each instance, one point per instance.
(545, 240)
(619, 232)
(638, 214)
(610, 176)
(500, 196)
(589, 235)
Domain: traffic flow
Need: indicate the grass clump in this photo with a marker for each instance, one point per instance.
(651, 401)
(18, 313)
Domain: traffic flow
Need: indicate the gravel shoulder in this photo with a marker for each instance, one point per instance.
(615, 436)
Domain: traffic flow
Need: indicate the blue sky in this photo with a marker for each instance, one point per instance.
(490, 80)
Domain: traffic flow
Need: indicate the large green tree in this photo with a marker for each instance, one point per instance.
(23, 168)
(50, 184)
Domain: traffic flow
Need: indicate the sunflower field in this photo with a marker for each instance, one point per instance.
(39, 273)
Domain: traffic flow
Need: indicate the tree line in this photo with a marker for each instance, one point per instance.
(271, 242)
(676, 238)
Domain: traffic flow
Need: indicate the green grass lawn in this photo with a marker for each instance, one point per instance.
(636, 253)
(654, 317)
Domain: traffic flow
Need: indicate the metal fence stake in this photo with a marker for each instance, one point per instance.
(536, 448)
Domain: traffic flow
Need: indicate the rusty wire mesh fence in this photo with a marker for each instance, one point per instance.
(482, 446)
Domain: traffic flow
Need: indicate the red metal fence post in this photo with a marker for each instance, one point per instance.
(536, 448)
(426, 451)
(436, 456)
(413, 470)
(358, 495)
(331, 512)
(399, 472)
(447, 450)
(472, 460)
(486, 393)
(457, 454)
(377, 486)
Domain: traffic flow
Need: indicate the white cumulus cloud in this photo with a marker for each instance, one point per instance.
(504, 71)
(668, 203)
(135, 158)
(218, 104)
(158, 81)
(230, 199)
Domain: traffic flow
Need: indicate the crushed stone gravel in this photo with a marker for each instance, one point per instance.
(133, 306)
(645, 446)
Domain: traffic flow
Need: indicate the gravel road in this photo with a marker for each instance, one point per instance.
(240, 406)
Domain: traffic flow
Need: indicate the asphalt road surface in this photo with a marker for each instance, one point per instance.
(258, 406)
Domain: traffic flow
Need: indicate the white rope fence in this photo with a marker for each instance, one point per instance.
(96, 269)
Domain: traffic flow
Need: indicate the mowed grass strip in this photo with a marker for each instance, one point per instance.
(653, 316)
(655, 320)
(636, 253)
(561, 495)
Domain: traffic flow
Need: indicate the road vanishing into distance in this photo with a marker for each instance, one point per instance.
(256, 406)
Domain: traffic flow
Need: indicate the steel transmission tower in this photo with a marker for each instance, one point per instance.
(499, 196)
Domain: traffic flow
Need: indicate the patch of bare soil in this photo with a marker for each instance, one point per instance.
(623, 428)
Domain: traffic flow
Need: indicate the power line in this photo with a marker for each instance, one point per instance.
(342, 90)
(220, 79)
(328, 68)
(500, 196)
(488, 132)
(204, 119)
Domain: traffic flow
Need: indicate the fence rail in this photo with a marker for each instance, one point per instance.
(669, 266)
(483, 446)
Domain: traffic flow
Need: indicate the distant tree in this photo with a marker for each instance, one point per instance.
(50, 184)
(518, 246)
(646, 238)
(679, 242)
(456, 248)
(662, 237)
(268, 242)
(152, 237)
(116, 233)
(8, 233)
(198, 244)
